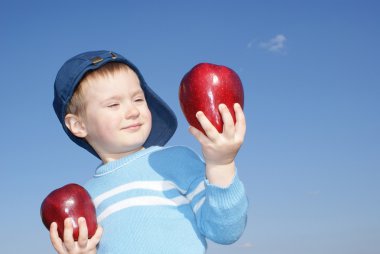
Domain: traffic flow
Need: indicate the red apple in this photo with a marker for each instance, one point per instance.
(206, 86)
(70, 201)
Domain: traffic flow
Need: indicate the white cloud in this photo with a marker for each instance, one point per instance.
(250, 44)
(314, 193)
(247, 245)
(276, 44)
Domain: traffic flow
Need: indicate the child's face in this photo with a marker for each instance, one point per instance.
(117, 118)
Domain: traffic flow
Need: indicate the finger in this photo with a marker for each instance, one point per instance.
(95, 239)
(202, 138)
(55, 239)
(83, 233)
(209, 129)
(68, 238)
(240, 121)
(228, 121)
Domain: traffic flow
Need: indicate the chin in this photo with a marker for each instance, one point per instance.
(132, 148)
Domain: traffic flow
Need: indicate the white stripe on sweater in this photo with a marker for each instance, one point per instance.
(198, 205)
(146, 185)
(141, 201)
(201, 186)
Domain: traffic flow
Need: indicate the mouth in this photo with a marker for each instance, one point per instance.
(132, 127)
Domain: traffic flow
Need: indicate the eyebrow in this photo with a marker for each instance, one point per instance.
(118, 97)
(139, 91)
(115, 97)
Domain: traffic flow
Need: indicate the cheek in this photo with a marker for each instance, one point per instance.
(103, 123)
(109, 123)
(148, 117)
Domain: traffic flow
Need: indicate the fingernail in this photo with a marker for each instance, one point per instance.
(67, 221)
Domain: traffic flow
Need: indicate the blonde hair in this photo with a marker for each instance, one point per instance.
(77, 104)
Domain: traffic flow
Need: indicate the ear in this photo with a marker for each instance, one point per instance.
(76, 125)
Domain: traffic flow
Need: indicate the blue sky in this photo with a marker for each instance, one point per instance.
(311, 74)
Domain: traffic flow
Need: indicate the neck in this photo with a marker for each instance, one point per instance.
(112, 157)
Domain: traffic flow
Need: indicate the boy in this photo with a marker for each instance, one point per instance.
(148, 198)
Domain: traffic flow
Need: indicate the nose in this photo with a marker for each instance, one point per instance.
(131, 112)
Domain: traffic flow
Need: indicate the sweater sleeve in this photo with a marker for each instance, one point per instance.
(221, 213)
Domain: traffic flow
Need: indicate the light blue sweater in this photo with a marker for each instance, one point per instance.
(158, 201)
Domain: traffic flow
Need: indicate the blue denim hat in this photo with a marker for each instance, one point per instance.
(164, 122)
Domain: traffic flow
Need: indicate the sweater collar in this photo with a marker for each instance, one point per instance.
(112, 166)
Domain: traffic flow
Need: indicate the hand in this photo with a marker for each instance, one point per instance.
(69, 246)
(220, 149)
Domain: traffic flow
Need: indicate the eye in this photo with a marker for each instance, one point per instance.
(139, 99)
(113, 105)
